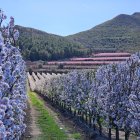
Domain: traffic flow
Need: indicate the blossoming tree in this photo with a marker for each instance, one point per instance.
(12, 83)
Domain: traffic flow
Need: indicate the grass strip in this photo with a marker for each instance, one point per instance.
(50, 130)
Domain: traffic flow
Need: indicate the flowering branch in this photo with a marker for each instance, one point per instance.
(9, 32)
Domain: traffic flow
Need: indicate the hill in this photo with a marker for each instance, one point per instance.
(122, 33)
(39, 45)
(119, 34)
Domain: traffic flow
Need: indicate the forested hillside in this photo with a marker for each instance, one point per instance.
(122, 33)
(39, 45)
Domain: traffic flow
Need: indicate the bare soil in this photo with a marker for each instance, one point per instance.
(32, 130)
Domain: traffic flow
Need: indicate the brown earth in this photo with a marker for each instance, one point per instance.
(32, 130)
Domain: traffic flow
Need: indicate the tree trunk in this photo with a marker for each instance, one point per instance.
(109, 134)
(110, 123)
(64, 106)
(127, 135)
(74, 112)
(117, 133)
(94, 126)
(70, 109)
(100, 126)
(82, 116)
(86, 119)
(90, 121)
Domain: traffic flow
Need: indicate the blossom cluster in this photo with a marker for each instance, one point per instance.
(31, 82)
(9, 32)
(12, 87)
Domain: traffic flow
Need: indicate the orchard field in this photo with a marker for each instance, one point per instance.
(64, 66)
(106, 101)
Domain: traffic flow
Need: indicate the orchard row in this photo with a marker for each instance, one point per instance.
(109, 97)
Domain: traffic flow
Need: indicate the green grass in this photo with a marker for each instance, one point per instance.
(76, 136)
(46, 123)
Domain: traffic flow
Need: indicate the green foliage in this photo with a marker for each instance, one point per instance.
(76, 136)
(119, 34)
(39, 45)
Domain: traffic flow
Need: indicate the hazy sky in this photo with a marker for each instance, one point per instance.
(65, 17)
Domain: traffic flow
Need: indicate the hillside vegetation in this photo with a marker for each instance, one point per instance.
(39, 45)
(122, 33)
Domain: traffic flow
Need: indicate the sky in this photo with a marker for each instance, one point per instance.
(66, 17)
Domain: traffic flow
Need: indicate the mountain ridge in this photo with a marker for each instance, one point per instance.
(122, 30)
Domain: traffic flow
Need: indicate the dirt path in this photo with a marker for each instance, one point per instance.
(32, 131)
(35, 133)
